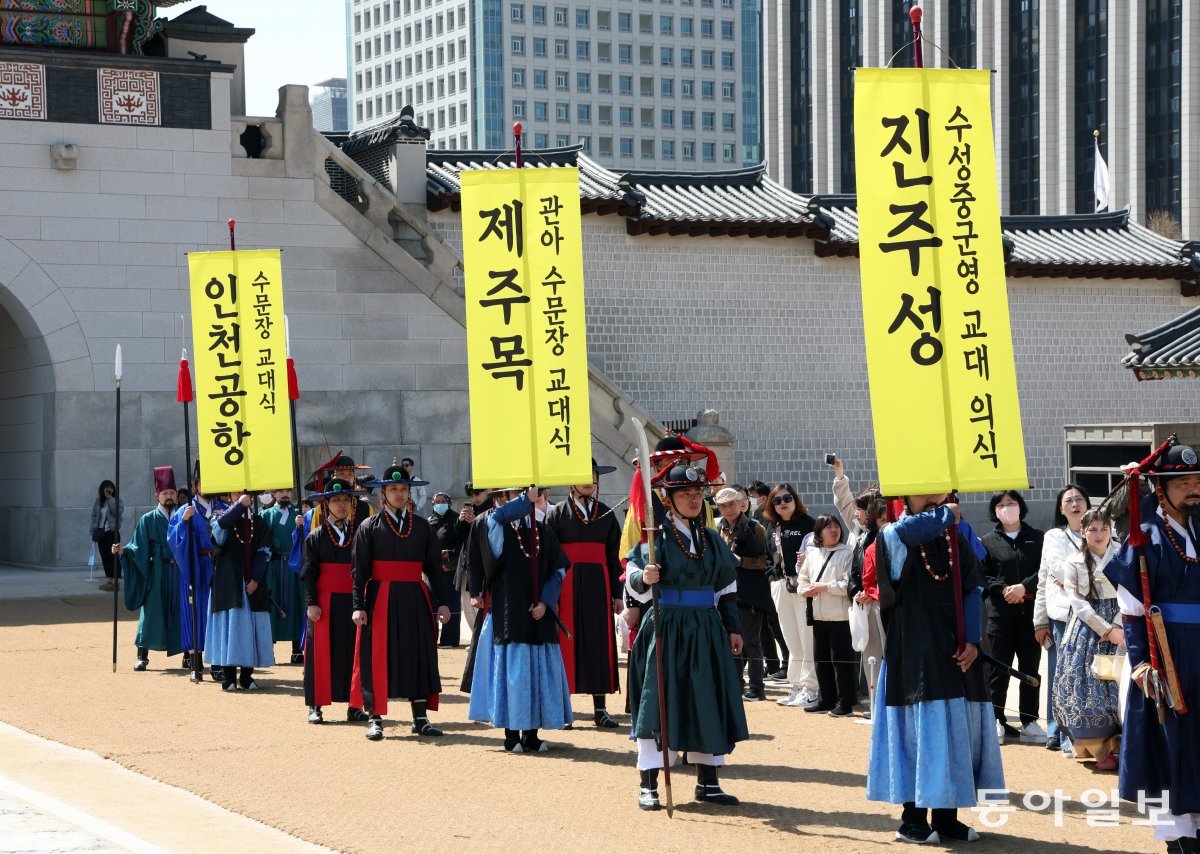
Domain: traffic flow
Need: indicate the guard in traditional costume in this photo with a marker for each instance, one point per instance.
(328, 592)
(152, 576)
(287, 615)
(189, 534)
(396, 650)
(697, 577)
(519, 682)
(239, 627)
(1157, 575)
(591, 593)
(933, 740)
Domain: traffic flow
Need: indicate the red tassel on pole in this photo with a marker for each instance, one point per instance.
(293, 383)
(183, 386)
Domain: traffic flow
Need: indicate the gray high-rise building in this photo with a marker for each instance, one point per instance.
(1052, 61)
(330, 106)
(651, 84)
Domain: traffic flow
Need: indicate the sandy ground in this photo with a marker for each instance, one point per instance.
(801, 777)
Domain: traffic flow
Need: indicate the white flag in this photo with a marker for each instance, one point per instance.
(1100, 180)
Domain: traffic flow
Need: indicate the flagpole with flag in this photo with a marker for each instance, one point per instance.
(184, 394)
(293, 395)
(1100, 176)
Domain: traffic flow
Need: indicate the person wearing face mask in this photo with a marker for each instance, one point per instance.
(1010, 568)
(151, 575)
(444, 522)
(1051, 604)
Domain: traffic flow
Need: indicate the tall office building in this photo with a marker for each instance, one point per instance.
(329, 106)
(1052, 61)
(651, 84)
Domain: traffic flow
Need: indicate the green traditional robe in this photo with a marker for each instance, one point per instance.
(704, 701)
(283, 583)
(152, 584)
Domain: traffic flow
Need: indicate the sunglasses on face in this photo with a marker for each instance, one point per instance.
(781, 499)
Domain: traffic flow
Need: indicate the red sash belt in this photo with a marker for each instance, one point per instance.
(396, 570)
(335, 578)
(384, 570)
(580, 553)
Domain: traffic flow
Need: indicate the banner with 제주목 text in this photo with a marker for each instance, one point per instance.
(935, 299)
(526, 333)
(242, 409)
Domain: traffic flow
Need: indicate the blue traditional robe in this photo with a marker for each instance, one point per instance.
(152, 584)
(1158, 759)
(193, 548)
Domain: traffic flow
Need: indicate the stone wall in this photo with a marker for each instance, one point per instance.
(771, 335)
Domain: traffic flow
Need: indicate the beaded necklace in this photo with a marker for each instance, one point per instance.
(949, 558)
(536, 538)
(330, 532)
(590, 517)
(1179, 549)
(406, 526)
(679, 538)
(237, 535)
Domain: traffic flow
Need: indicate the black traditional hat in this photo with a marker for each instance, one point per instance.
(396, 474)
(337, 486)
(682, 476)
(673, 448)
(602, 469)
(1178, 460)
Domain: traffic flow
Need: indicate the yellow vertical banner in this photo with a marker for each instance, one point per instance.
(242, 416)
(935, 299)
(526, 330)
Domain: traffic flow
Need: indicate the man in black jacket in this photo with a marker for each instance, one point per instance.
(748, 541)
(445, 524)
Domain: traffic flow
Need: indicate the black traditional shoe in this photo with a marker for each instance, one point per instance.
(1054, 742)
(217, 673)
(228, 686)
(818, 707)
(297, 658)
(753, 695)
(956, 832)
(195, 677)
(512, 741)
(247, 683)
(141, 665)
(356, 716)
(708, 789)
(648, 794)
(530, 743)
(375, 729)
(604, 720)
(422, 726)
(918, 834)
(187, 662)
(315, 716)
(841, 712)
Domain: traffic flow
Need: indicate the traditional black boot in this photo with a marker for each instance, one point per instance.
(421, 724)
(708, 789)
(648, 795)
(246, 680)
(375, 728)
(914, 826)
(143, 659)
(315, 716)
(946, 825)
(512, 741)
(600, 714)
(356, 716)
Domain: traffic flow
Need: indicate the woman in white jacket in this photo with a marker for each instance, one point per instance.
(823, 579)
(1052, 604)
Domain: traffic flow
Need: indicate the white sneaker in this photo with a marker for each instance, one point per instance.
(800, 700)
(1000, 731)
(808, 696)
(1031, 733)
(787, 701)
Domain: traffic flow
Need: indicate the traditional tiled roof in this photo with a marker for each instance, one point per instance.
(1170, 350)
(747, 202)
(734, 202)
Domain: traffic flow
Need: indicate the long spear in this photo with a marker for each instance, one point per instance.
(117, 496)
(185, 395)
(645, 470)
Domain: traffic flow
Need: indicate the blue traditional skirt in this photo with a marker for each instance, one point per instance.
(1086, 707)
(239, 637)
(938, 754)
(518, 685)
